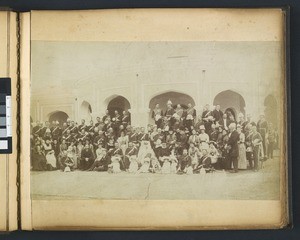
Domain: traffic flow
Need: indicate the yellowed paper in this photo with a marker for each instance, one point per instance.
(25, 134)
(8, 162)
(47, 210)
(3, 72)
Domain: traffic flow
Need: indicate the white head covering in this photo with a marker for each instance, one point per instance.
(145, 149)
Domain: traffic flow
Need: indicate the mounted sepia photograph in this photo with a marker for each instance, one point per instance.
(154, 119)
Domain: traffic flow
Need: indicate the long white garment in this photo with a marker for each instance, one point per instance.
(242, 161)
(50, 157)
(145, 151)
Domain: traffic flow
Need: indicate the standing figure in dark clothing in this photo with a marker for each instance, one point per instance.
(157, 114)
(82, 126)
(217, 114)
(271, 141)
(116, 122)
(232, 147)
(256, 141)
(207, 118)
(190, 117)
(125, 118)
(169, 114)
(56, 132)
(262, 128)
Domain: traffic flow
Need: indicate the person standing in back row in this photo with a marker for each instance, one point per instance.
(271, 141)
(256, 141)
(233, 148)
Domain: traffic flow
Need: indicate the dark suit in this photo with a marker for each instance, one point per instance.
(233, 152)
(207, 123)
(218, 116)
(262, 128)
(87, 159)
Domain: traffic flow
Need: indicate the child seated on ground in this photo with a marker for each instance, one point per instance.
(145, 164)
(69, 164)
(114, 167)
(166, 167)
(133, 166)
(155, 166)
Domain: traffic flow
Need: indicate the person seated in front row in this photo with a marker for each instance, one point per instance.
(155, 166)
(164, 154)
(204, 163)
(130, 152)
(145, 157)
(213, 152)
(69, 164)
(87, 158)
(173, 161)
(145, 164)
(115, 166)
(118, 152)
(101, 162)
(39, 162)
(184, 163)
(133, 164)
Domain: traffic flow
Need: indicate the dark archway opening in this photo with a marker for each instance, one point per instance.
(119, 104)
(230, 102)
(59, 116)
(174, 97)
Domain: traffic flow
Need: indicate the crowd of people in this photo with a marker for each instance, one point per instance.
(179, 141)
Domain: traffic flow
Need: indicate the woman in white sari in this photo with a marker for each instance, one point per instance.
(50, 155)
(145, 155)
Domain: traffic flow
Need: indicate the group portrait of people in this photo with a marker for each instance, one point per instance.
(179, 141)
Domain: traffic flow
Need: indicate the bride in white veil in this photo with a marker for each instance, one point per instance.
(145, 155)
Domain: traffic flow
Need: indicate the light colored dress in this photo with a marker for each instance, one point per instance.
(71, 153)
(50, 156)
(123, 143)
(242, 161)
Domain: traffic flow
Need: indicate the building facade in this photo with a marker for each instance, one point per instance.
(242, 77)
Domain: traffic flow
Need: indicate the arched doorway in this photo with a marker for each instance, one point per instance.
(271, 109)
(85, 111)
(230, 101)
(59, 116)
(175, 97)
(118, 103)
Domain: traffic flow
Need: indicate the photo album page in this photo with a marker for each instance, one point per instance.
(153, 119)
